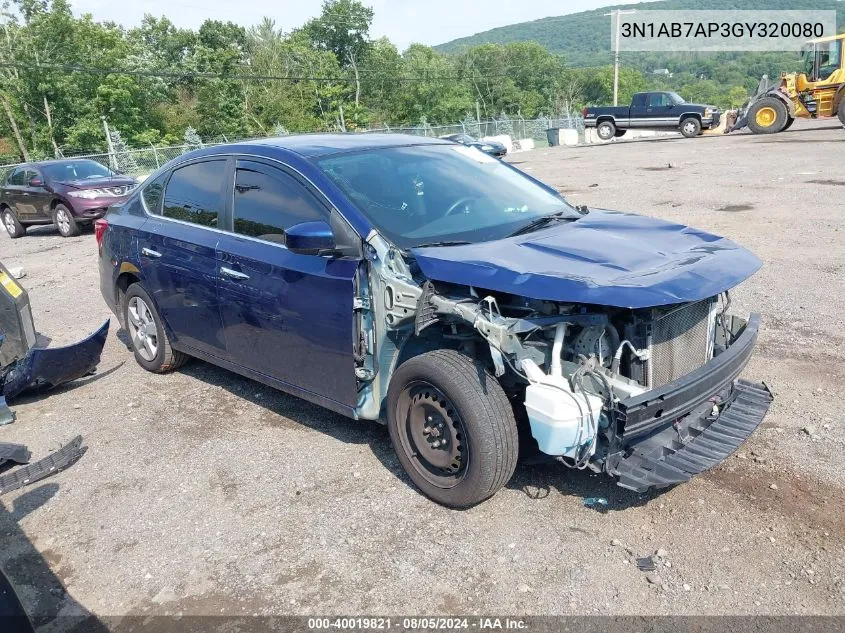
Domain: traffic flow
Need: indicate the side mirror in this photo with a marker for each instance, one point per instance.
(36, 182)
(310, 238)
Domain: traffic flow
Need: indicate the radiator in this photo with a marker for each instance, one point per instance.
(680, 341)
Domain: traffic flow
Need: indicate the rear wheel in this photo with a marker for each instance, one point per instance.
(65, 222)
(606, 130)
(452, 427)
(841, 111)
(149, 340)
(690, 127)
(14, 228)
(767, 116)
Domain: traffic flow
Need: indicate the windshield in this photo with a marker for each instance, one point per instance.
(76, 170)
(440, 193)
(676, 98)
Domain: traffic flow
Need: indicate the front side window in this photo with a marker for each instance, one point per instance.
(195, 194)
(440, 193)
(658, 99)
(17, 176)
(30, 175)
(268, 201)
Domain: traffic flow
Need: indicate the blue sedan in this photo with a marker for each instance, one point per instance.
(464, 303)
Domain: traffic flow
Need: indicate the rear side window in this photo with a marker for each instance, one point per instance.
(638, 100)
(194, 193)
(151, 195)
(268, 201)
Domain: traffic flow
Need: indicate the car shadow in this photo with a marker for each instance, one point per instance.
(535, 480)
(42, 592)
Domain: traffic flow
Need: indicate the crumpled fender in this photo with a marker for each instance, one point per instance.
(48, 367)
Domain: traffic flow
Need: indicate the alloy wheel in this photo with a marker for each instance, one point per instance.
(63, 221)
(142, 328)
(9, 221)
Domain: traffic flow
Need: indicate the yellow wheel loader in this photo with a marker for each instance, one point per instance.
(816, 92)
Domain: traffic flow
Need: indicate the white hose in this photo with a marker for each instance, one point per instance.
(557, 350)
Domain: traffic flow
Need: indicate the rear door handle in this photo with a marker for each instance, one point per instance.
(233, 274)
(150, 253)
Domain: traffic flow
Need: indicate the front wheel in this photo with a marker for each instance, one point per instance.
(452, 427)
(690, 127)
(841, 112)
(767, 116)
(13, 227)
(65, 222)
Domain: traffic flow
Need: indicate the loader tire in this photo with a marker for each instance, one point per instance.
(841, 111)
(767, 116)
(789, 123)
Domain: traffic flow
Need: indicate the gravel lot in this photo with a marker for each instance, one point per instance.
(205, 493)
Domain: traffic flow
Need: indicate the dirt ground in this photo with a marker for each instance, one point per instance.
(205, 493)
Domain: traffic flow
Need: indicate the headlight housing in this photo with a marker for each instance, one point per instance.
(708, 112)
(91, 194)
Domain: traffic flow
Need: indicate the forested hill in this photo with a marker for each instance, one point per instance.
(584, 38)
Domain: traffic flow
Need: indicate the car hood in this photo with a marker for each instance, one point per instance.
(605, 258)
(97, 183)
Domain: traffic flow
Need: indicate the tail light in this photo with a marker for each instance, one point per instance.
(100, 227)
(584, 112)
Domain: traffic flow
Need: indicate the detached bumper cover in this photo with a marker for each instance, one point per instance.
(48, 367)
(677, 453)
(671, 433)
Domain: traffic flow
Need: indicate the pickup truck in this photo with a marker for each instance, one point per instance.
(652, 110)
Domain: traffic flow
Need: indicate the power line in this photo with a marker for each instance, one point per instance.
(249, 76)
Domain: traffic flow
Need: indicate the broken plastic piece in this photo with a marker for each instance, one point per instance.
(646, 564)
(17, 453)
(45, 467)
(598, 503)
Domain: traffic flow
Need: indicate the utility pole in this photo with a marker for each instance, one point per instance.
(112, 156)
(617, 14)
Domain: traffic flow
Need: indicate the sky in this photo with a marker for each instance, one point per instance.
(403, 21)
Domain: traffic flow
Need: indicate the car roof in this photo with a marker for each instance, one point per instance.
(313, 145)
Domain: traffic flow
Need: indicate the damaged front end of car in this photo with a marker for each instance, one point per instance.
(23, 365)
(626, 364)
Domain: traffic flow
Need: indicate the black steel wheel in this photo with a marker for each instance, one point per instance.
(433, 434)
(452, 427)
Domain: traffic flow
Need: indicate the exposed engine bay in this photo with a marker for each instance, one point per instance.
(574, 366)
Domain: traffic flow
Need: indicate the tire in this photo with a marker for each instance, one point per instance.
(690, 127)
(446, 394)
(606, 130)
(10, 222)
(841, 110)
(64, 221)
(153, 351)
(789, 122)
(767, 116)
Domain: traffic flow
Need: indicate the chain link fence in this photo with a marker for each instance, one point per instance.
(142, 162)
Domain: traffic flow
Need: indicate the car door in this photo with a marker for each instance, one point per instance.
(177, 255)
(37, 194)
(659, 110)
(287, 316)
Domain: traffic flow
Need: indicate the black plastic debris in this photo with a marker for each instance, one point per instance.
(646, 564)
(17, 453)
(44, 467)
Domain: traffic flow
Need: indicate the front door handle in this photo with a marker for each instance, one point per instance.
(150, 253)
(233, 274)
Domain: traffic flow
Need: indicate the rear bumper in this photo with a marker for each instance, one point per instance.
(691, 424)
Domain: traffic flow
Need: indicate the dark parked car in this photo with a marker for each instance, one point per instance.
(67, 193)
(444, 291)
(492, 148)
(652, 111)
